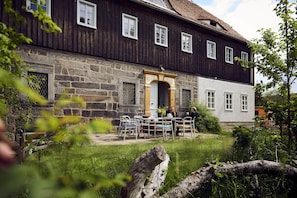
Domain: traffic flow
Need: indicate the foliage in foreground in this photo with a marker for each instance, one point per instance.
(186, 156)
(253, 145)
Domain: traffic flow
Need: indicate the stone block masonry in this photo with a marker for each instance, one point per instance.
(96, 80)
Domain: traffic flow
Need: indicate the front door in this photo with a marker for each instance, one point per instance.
(154, 99)
(159, 96)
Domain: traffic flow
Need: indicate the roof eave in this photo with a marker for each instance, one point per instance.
(174, 14)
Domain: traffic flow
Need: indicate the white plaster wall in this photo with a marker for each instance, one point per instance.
(220, 88)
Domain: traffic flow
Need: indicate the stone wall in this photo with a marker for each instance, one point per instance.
(96, 80)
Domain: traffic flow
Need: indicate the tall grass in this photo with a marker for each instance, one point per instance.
(186, 156)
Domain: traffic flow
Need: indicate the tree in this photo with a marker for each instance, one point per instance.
(13, 68)
(275, 57)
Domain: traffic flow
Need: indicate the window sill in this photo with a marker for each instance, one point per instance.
(88, 26)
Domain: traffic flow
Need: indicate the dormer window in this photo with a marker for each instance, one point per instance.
(160, 3)
(213, 23)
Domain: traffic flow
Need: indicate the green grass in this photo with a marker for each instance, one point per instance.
(186, 156)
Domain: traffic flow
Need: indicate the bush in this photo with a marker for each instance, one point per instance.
(205, 121)
(256, 145)
(259, 144)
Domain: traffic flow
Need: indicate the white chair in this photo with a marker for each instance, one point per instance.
(148, 126)
(128, 125)
(142, 125)
(165, 126)
(187, 124)
(168, 127)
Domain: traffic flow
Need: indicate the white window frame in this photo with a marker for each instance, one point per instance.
(229, 55)
(186, 42)
(211, 50)
(244, 56)
(158, 40)
(132, 22)
(210, 99)
(47, 3)
(244, 102)
(228, 101)
(93, 15)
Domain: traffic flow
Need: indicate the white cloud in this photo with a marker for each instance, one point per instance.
(245, 16)
(252, 15)
(220, 7)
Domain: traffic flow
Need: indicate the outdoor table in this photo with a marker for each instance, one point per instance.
(159, 124)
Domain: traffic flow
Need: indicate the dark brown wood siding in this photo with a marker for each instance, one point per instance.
(107, 41)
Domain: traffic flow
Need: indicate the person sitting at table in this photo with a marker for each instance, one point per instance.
(170, 112)
(193, 112)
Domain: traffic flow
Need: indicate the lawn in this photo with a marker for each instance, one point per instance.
(186, 156)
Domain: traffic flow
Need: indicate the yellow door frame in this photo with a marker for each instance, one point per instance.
(150, 76)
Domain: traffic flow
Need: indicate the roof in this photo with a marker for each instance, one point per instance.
(196, 14)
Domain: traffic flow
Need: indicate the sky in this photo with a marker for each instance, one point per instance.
(246, 17)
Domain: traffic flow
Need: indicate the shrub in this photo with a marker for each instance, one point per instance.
(205, 121)
(256, 145)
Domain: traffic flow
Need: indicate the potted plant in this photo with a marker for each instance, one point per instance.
(161, 111)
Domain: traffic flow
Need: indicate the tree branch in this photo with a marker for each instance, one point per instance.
(199, 179)
(143, 167)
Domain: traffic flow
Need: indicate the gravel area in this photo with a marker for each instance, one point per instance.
(116, 139)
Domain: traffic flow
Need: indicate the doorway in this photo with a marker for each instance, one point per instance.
(158, 96)
(160, 91)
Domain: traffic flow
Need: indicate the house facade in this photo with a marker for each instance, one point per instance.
(133, 56)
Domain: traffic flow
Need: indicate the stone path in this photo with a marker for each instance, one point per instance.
(115, 139)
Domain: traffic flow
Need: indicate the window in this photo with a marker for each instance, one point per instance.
(244, 102)
(39, 83)
(129, 90)
(161, 35)
(210, 99)
(211, 49)
(160, 3)
(86, 14)
(244, 56)
(228, 101)
(229, 55)
(129, 26)
(185, 98)
(46, 6)
(186, 42)
(42, 81)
